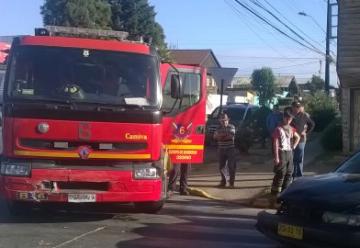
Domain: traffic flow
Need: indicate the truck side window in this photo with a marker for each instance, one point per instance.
(191, 88)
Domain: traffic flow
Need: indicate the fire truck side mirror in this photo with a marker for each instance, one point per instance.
(176, 87)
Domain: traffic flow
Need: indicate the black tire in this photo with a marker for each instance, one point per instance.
(149, 207)
(19, 208)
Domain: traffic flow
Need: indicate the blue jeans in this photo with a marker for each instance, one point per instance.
(299, 160)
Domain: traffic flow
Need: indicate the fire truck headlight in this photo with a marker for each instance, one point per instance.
(19, 170)
(146, 173)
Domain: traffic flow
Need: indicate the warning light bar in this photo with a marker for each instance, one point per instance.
(81, 32)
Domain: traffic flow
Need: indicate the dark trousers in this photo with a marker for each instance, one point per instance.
(283, 172)
(299, 160)
(179, 169)
(227, 165)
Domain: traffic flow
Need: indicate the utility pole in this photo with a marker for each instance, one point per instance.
(328, 58)
(221, 94)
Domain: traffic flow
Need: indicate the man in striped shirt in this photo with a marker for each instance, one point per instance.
(285, 139)
(225, 135)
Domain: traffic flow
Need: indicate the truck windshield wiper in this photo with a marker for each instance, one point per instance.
(43, 100)
(115, 107)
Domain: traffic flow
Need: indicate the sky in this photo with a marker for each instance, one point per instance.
(237, 38)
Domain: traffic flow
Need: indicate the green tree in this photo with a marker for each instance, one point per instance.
(315, 84)
(263, 82)
(322, 108)
(294, 89)
(138, 18)
(77, 13)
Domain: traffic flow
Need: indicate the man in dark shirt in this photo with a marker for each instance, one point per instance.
(304, 125)
(225, 135)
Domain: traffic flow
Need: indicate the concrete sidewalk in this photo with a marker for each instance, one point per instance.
(254, 174)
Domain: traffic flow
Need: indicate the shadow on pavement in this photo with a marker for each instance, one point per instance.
(239, 174)
(199, 228)
(197, 209)
(227, 188)
(238, 180)
(65, 213)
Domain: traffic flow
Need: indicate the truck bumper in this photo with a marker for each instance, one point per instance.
(77, 186)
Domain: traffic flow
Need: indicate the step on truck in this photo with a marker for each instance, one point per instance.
(90, 117)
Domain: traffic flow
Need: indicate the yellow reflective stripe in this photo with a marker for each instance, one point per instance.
(47, 154)
(121, 156)
(185, 147)
(76, 155)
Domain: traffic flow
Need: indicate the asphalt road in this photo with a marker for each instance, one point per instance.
(186, 222)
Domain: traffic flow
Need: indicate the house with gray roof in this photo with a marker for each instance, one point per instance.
(205, 58)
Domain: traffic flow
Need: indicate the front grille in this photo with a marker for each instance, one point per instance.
(73, 145)
(305, 213)
(96, 186)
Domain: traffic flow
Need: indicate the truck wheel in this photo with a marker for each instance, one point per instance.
(149, 207)
(19, 208)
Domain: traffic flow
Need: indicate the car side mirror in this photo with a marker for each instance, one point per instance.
(176, 87)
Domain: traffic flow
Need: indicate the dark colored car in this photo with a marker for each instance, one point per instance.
(318, 211)
(239, 114)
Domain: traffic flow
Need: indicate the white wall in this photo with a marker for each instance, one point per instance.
(213, 101)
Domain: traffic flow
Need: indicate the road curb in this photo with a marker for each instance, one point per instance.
(258, 201)
(263, 200)
(202, 193)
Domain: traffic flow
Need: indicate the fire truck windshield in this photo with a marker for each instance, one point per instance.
(83, 75)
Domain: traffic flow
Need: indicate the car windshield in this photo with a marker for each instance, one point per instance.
(235, 114)
(82, 75)
(351, 166)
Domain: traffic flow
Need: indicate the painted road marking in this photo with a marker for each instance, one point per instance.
(79, 237)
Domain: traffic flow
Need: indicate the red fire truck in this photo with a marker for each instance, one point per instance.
(89, 116)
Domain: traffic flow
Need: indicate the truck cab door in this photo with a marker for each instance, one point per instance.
(184, 119)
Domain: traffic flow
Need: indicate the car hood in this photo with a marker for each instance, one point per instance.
(331, 191)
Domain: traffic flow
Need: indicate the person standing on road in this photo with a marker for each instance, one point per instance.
(225, 136)
(285, 139)
(304, 125)
(183, 170)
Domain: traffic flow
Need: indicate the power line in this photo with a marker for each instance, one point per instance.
(277, 37)
(259, 5)
(276, 28)
(260, 22)
(302, 13)
(264, 57)
(270, 30)
(251, 29)
(289, 66)
(305, 34)
(241, 68)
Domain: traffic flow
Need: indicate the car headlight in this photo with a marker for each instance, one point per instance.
(342, 219)
(146, 173)
(20, 170)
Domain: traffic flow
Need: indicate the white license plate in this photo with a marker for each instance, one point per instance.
(81, 198)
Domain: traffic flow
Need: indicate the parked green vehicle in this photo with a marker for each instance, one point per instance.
(241, 117)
